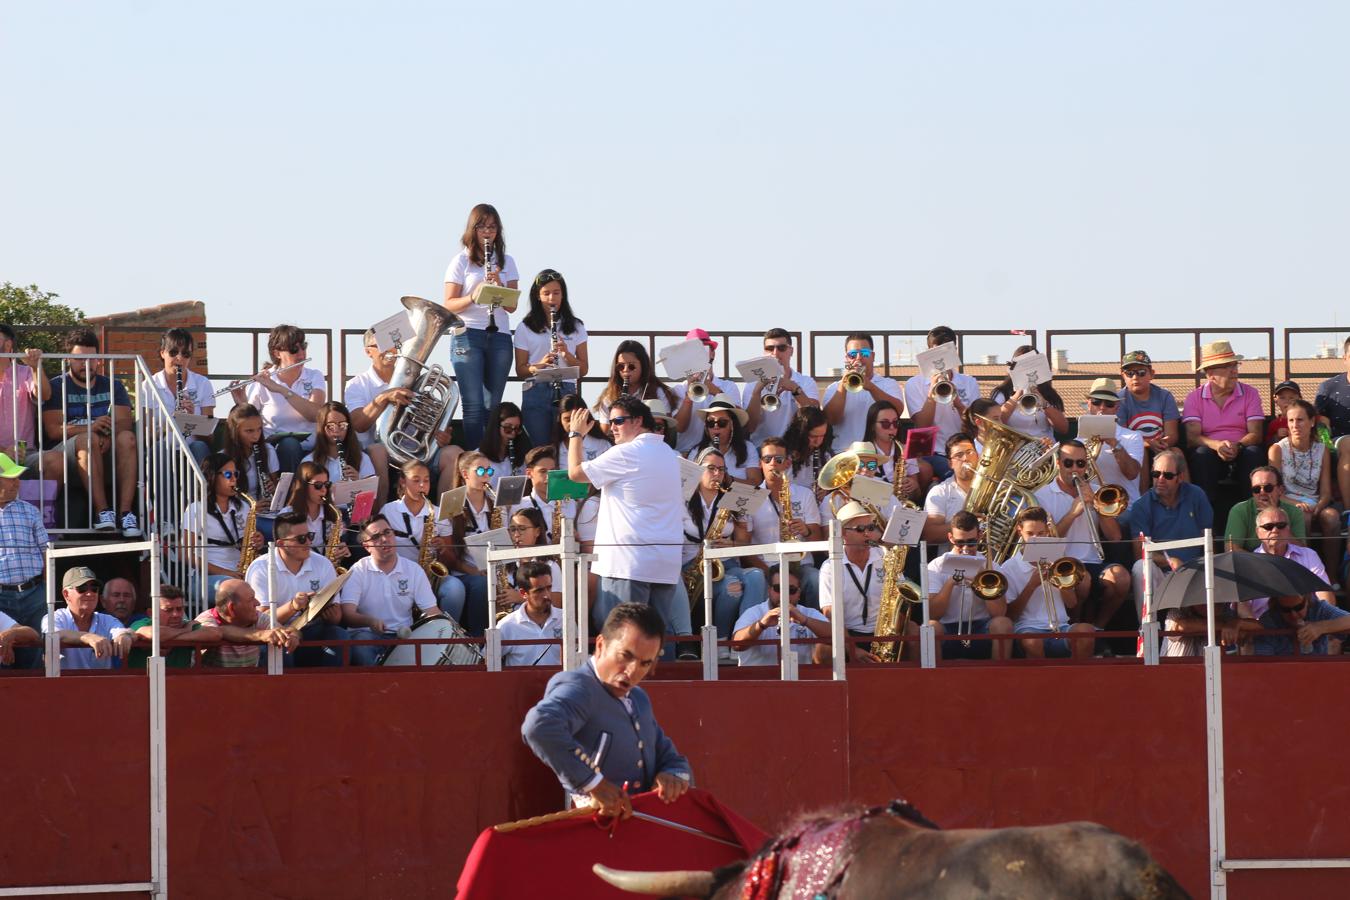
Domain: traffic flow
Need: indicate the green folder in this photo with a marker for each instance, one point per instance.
(560, 487)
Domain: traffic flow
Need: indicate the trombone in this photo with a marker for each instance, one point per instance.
(1063, 574)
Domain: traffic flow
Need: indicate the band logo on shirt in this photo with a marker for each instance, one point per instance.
(314, 584)
(403, 585)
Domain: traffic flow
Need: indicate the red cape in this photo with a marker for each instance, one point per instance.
(555, 859)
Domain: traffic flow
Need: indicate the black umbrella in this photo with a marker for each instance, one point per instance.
(1238, 575)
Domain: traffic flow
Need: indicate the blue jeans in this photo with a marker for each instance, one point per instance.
(538, 412)
(450, 597)
(661, 597)
(475, 613)
(482, 362)
(27, 608)
(290, 450)
(318, 630)
(368, 654)
(726, 606)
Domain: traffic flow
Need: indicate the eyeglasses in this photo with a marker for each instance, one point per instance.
(1165, 476)
(862, 529)
(616, 421)
(714, 468)
(1290, 610)
(772, 458)
(520, 529)
(336, 426)
(1134, 373)
(864, 352)
(1272, 526)
(319, 485)
(1070, 463)
(1263, 488)
(792, 588)
(295, 348)
(228, 476)
(966, 542)
(627, 367)
(380, 535)
(303, 537)
(1097, 401)
(777, 348)
(510, 429)
(888, 423)
(486, 227)
(719, 423)
(484, 471)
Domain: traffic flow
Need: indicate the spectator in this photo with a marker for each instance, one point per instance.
(760, 623)
(181, 389)
(948, 417)
(1121, 457)
(173, 626)
(1286, 392)
(1171, 510)
(23, 542)
(1312, 619)
(537, 350)
(384, 593)
(793, 390)
(297, 574)
(719, 390)
(1045, 421)
(536, 618)
(1036, 607)
(724, 429)
(86, 634)
(1305, 463)
(86, 415)
(1144, 407)
(18, 413)
(288, 395)
(13, 635)
(244, 628)
(1333, 403)
(1273, 526)
(954, 603)
(1224, 425)
(1193, 624)
(119, 600)
(1267, 491)
(847, 410)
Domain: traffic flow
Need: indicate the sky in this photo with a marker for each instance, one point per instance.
(725, 165)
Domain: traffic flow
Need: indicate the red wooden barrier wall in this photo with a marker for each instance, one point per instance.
(374, 784)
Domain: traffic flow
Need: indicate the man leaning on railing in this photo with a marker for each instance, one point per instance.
(22, 539)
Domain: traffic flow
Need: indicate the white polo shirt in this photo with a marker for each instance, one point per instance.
(197, 386)
(774, 424)
(1057, 503)
(862, 591)
(388, 596)
(464, 273)
(314, 574)
(945, 416)
(408, 526)
(964, 605)
(359, 391)
(766, 655)
(1133, 442)
(224, 531)
(517, 626)
(764, 524)
(277, 413)
(639, 532)
(854, 423)
(591, 447)
(1018, 572)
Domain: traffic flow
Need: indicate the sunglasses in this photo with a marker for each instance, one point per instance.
(1263, 489)
(865, 353)
(966, 542)
(88, 588)
(545, 277)
(484, 471)
(1290, 610)
(303, 537)
(863, 529)
(178, 353)
(509, 429)
(870, 464)
(888, 423)
(1272, 526)
(627, 367)
(1097, 401)
(620, 420)
(719, 423)
(319, 485)
(1165, 476)
(777, 348)
(1134, 373)
(228, 476)
(772, 458)
(1070, 463)
(792, 588)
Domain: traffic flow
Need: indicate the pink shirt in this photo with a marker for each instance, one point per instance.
(1227, 422)
(27, 408)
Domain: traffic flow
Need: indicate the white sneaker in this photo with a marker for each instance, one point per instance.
(130, 527)
(107, 521)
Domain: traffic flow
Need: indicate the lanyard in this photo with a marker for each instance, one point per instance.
(862, 586)
(230, 537)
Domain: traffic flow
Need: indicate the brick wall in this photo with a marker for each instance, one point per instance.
(138, 331)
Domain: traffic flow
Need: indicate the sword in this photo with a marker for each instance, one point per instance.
(687, 829)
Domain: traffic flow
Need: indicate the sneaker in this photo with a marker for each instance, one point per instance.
(130, 527)
(107, 521)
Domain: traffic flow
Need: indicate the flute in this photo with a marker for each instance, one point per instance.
(240, 384)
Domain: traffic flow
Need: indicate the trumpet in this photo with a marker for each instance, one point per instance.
(698, 391)
(943, 391)
(1031, 402)
(769, 401)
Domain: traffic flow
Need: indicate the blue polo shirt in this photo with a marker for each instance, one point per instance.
(1188, 519)
(1283, 644)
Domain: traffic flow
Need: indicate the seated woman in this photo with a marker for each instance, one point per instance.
(220, 525)
(408, 517)
(528, 529)
(1305, 464)
(810, 444)
(883, 431)
(182, 389)
(479, 515)
(309, 497)
(287, 394)
(254, 458)
(1043, 421)
(592, 445)
(724, 428)
(336, 449)
(505, 442)
(631, 373)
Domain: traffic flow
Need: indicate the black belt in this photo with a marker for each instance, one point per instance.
(22, 585)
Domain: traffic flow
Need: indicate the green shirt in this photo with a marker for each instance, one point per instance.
(1242, 524)
(178, 657)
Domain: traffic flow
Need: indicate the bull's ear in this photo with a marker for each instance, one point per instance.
(660, 884)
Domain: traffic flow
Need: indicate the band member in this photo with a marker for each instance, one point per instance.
(245, 445)
(536, 618)
(287, 394)
(862, 578)
(527, 530)
(225, 516)
(538, 463)
(475, 474)
(1044, 420)
(883, 432)
(335, 449)
(1037, 607)
(310, 492)
(956, 606)
(1068, 500)
(663, 423)
(738, 586)
(505, 443)
(976, 420)
(810, 443)
(947, 498)
(724, 428)
(383, 593)
(549, 337)
(482, 354)
(792, 390)
(1121, 457)
(595, 441)
(297, 574)
(925, 410)
(408, 517)
(630, 373)
(182, 389)
(718, 389)
(869, 465)
(801, 520)
(760, 623)
(599, 748)
(847, 410)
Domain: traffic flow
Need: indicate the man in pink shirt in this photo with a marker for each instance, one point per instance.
(1224, 422)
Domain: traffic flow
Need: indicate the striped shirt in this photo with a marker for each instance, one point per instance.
(23, 541)
(231, 656)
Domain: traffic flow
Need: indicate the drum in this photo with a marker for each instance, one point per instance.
(435, 654)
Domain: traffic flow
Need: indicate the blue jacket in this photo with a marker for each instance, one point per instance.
(579, 728)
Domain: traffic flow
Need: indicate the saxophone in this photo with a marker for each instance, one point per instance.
(899, 599)
(693, 575)
(495, 520)
(334, 541)
(246, 551)
(556, 524)
(785, 516)
(426, 555)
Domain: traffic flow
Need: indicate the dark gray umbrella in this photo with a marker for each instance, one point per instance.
(1238, 575)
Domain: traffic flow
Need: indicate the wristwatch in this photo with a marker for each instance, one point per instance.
(574, 434)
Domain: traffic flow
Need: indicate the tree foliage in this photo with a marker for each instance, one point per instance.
(38, 318)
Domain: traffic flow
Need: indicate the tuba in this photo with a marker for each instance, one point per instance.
(409, 431)
(1001, 488)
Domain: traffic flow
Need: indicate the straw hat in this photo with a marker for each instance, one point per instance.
(1104, 389)
(724, 406)
(1217, 353)
(852, 510)
(660, 410)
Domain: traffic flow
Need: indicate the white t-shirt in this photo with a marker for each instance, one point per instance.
(388, 596)
(964, 605)
(693, 538)
(227, 529)
(334, 468)
(408, 526)
(945, 416)
(1133, 442)
(688, 439)
(251, 471)
(198, 388)
(734, 469)
(464, 273)
(774, 424)
(764, 524)
(1079, 536)
(859, 614)
(358, 392)
(546, 508)
(517, 626)
(277, 413)
(314, 574)
(588, 518)
(591, 447)
(639, 534)
(945, 499)
(1018, 572)
(537, 344)
(766, 655)
(81, 657)
(850, 429)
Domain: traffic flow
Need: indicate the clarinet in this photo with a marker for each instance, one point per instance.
(487, 271)
(511, 454)
(266, 483)
(553, 335)
(180, 395)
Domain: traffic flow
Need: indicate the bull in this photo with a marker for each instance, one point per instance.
(894, 851)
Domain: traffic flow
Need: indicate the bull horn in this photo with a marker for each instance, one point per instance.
(661, 884)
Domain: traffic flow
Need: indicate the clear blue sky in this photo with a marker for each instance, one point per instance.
(1062, 164)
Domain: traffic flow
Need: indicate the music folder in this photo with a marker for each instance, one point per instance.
(494, 295)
